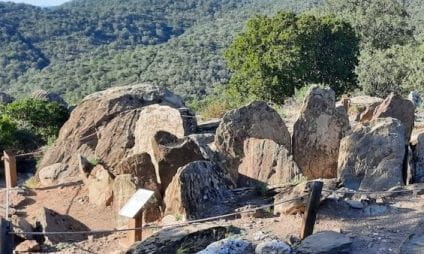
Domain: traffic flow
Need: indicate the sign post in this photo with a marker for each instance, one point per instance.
(134, 209)
(10, 168)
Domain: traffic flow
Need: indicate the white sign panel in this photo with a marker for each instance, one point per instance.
(135, 203)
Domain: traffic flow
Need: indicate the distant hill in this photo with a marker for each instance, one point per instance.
(87, 45)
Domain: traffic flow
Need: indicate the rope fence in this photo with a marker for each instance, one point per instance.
(214, 218)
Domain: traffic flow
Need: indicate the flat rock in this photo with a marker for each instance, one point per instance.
(229, 246)
(189, 239)
(273, 247)
(327, 242)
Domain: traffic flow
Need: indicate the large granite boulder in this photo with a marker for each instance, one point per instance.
(317, 134)
(5, 98)
(49, 96)
(189, 239)
(171, 153)
(268, 162)
(397, 107)
(254, 121)
(326, 242)
(372, 157)
(48, 220)
(198, 190)
(180, 122)
(103, 126)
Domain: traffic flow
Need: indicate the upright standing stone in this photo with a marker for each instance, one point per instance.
(254, 121)
(317, 134)
(397, 107)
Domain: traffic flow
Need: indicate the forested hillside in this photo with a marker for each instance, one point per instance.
(84, 46)
(87, 45)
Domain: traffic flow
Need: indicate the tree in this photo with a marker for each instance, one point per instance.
(379, 23)
(398, 69)
(276, 55)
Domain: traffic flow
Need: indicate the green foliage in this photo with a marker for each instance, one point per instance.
(41, 117)
(398, 69)
(29, 123)
(379, 23)
(86, 46)
(276, 55)
(8, 133)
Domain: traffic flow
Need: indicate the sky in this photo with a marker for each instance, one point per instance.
(38, 2)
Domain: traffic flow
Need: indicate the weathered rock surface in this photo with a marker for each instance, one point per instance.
(125, 186)
(372, 157)
(317, 134)
(417, 159)
(368, 113)
(53, 174)
(198, 190)
(326, 242)
(268, 162)
(415, 97)
(49, 96)
(27, 246)
(273, 247)
(191, 239)
(102, 126)
(227, 246)
(100, 186)
(256, 120)
(396, 107)
(171, 153)
(180, 122)
(205, 142)
(21, 225)
(359, 104)
(5, 98)
(50, 221)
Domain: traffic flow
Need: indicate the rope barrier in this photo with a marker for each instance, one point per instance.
(91, 232)
(372, 192)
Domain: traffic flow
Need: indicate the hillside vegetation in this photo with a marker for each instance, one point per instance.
(84, 46)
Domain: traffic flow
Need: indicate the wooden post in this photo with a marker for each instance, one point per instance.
(135, 235)
(311, 209)
(6, 239)
(10, 168)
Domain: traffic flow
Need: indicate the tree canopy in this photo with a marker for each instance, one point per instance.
(275, 55)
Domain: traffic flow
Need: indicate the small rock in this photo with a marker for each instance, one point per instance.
(326, 242)
(355, 204)
(273, 247)
(27, 246)
(259, 236)
(229, 246)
